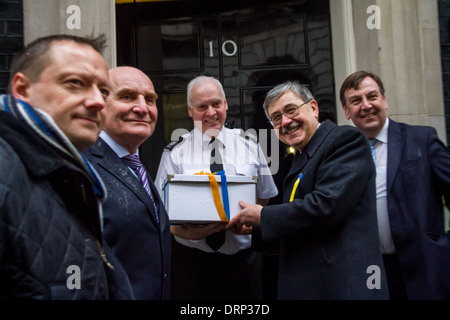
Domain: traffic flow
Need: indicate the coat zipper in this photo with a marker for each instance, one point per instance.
(102, 254)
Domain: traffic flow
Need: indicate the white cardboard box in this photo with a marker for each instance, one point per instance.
(188, 198)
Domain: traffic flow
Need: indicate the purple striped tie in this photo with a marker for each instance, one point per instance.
(135, 163)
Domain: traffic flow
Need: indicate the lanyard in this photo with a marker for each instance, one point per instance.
(295, 186)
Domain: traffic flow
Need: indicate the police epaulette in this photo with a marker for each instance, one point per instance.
(247, 135)
(172, 144)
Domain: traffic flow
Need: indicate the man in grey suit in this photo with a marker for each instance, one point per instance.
(136, 225)
(329, 245)
(413, 182)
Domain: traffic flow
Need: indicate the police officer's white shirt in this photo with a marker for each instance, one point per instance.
(241, 156)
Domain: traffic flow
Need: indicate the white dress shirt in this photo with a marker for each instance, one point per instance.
(384, 228)
(117, 148)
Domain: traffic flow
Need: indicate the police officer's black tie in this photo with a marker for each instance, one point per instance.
(216, 240)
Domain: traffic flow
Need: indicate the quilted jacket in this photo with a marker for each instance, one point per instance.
(50, 232)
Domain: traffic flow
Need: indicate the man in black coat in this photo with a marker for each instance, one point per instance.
(329, 246)
(51, 244)
(136, 223)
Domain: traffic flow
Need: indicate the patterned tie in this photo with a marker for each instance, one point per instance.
(135, 163)
(372, 147)
(216, 240)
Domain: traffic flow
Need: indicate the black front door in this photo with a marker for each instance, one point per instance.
(248, 45)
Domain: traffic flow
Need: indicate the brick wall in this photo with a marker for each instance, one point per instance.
(11, 37)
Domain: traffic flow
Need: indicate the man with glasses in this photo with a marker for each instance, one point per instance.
(327, 223)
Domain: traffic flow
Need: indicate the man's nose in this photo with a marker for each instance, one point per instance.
(210, 110)
(366, 103)
(285, 119)
(95, 99)
(140, 105)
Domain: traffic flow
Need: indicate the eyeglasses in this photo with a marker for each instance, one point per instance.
(289, 111)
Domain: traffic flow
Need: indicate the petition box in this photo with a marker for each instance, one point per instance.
(189, 198)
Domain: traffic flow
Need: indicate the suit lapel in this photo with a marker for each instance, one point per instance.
(158, 201)
(395, 149)
(110, 162)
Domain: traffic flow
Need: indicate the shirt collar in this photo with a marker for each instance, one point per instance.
(117, 148)
(383, 134)
(207, 139)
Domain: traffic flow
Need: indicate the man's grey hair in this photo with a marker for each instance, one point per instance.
(199, 79)
(296, 87)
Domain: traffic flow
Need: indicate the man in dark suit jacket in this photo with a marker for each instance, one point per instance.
(413, 181)
(136, 225)
(329, 246)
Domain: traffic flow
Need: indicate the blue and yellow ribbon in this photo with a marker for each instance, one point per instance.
(222, 206)
(295, 186)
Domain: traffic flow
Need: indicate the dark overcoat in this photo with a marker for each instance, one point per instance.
(329, 243)
(418, 184)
